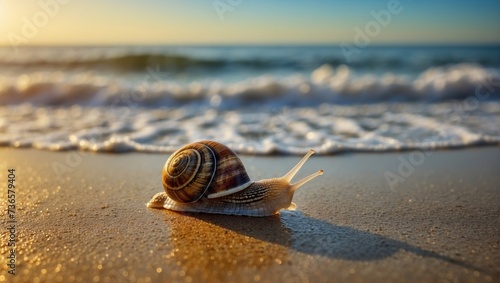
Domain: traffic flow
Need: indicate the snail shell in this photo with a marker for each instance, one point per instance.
(203, 168)
(207, 176)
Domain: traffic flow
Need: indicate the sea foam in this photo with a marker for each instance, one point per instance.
(327, 128)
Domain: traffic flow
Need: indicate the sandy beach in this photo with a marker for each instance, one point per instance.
(81, 217)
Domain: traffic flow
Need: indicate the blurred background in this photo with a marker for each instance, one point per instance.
(264, 76)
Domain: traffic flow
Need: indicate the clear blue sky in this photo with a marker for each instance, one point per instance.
(251, 21)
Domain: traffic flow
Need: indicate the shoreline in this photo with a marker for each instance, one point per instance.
(89, 221)
(263, 155)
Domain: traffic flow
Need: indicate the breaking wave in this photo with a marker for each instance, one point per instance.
(130, 60)
(326, 84)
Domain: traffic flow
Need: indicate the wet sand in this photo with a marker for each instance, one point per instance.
(81, 217)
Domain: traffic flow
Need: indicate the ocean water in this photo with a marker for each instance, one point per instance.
(256, 99)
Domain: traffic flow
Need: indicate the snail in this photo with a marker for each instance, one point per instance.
(207, 176)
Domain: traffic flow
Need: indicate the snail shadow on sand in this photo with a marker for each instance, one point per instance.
(297, 231)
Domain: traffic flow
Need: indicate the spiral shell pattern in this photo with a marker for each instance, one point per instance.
(202, 169)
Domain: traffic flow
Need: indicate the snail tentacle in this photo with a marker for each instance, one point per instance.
(288, 176)
(305, 180)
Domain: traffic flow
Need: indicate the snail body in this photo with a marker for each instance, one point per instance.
(209, 177)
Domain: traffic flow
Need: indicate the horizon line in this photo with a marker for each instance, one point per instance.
(241, 44)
